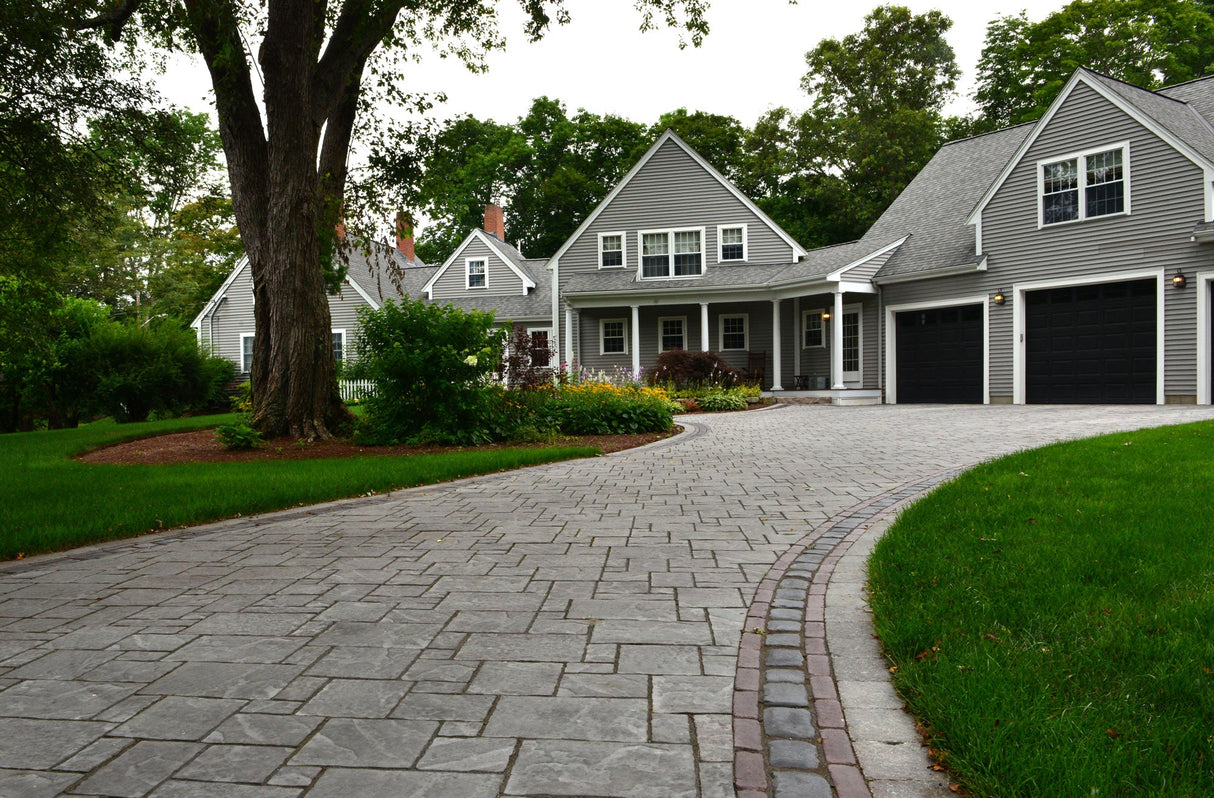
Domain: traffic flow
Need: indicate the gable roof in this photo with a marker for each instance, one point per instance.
(506, 253)
(1172, 120)
(220, 294)
(798, 251)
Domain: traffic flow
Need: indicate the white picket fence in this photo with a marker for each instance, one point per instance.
(355, 389)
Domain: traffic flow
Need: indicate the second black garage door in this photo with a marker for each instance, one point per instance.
(939, 355)
(1091, 344)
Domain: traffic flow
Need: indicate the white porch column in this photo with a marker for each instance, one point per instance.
(775, 346)
(568, 336)
(636, 340)
(704, 347)
(836, 344)
(798, 338)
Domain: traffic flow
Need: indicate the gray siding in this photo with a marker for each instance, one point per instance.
(1166, 202)
(501, 279)
(672, 191)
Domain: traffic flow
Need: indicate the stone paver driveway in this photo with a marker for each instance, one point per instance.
(570, 629)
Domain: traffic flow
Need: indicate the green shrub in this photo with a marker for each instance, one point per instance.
(716, 401)
(238, 436)
(603, 409)
(430, 365)
(681, 369)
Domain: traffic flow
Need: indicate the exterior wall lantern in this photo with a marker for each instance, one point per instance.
(1178, 279)
(1000, 298)
(826, 315)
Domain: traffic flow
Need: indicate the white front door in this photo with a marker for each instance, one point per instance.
(853, 344)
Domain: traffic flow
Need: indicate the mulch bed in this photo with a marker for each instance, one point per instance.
(201, 446)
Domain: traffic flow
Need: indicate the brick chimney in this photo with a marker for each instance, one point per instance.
(404, 236)
(340, 229)
(495, 221)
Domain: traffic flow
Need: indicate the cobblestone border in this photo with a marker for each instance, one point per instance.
(791, 738)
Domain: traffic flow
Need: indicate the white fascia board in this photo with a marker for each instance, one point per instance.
(213, 302)
(358, 289)
(947, 271)
(856, 287)
(838, 273)
(1081, 76)
(669, 135)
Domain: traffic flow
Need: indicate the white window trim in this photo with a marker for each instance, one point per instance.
(468, 273)
(669, 232)
(805, 316)
(745, 243)
(858, 374)
(1019, 359)
(891, 340)
(745, 317)
(602, 350)
(244, 367)
(682, 320)
(623, 250)
(1081, 163)
(342, 333)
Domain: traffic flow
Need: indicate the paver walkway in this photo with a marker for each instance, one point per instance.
(571, 629)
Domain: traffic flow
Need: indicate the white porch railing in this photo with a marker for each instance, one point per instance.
(355, 389)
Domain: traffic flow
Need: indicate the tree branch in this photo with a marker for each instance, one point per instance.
(217, 33)
(336, 145)
(361, 26)
(114, 21)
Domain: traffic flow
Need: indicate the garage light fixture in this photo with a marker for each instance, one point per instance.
(1000, 298)
(826, 315)
(1178, 279)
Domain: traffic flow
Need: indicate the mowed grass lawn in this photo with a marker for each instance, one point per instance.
(1051, 617)
(50, 502)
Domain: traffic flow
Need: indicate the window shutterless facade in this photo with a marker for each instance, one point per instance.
(246, 353)
(672, 253)
(339, 345)
(734, 332)
(478, 276)
(672, 333)
(613, 337)
(1086, 185)
(541, 352)
(611, 250)
(731, 243)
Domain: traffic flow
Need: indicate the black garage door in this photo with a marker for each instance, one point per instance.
(939, 355)
(1091, 344)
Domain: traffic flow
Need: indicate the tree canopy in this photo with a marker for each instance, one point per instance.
(1150, 43)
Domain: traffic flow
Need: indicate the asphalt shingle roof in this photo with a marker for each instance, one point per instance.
(933, 209)
(1172, 114)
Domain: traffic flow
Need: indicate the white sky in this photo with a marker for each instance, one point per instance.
(752, 60)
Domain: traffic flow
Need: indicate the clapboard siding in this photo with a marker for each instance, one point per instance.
(671, 191)
(1166, 200)
(501, 279)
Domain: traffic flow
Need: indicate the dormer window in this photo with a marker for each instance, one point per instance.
(1084, 186)
(477, 276)
(611, 250)
(672, 253)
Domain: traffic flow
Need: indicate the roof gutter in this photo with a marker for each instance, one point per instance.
(947, 271)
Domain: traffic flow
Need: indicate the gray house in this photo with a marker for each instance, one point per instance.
(1066, 260)
(1062, 261)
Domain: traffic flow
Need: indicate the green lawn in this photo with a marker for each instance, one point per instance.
(1051, 617)
(50, 502)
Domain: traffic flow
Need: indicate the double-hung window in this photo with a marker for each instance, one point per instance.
(339, 345)
(734, 333)
(814, 334)
(613, 337)
(672, 253)
(246, 353)
(611, 250)
(478, 276)
(672, 333)
(1084, 186)
(731, 243)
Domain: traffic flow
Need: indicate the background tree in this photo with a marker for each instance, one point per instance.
(288, 169)
(1149, 43)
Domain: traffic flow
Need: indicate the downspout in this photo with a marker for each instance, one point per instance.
(211, 323)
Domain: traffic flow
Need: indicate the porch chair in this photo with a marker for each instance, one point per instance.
(756, 368)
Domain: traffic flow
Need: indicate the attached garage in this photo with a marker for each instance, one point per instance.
(939, 355)
(1091, 344)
